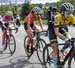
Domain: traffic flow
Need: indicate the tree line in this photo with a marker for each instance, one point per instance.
(25, 8)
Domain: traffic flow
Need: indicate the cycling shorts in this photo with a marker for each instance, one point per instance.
(52, 35)
(6, 25)
(26, 27)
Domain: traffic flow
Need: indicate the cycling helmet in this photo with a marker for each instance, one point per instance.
(50, 8)
(9, 13)
(68, 7)
(37, 10)
(54, 9)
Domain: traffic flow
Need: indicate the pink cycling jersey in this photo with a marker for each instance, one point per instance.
(6, 18)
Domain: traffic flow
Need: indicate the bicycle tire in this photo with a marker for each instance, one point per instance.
(25, 48)
(48, 56)
(12, 52)
(24, 43)
(38, 50)
(70, 60)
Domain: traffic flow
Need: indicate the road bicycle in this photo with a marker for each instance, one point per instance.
(9, 41)
(38, 45)
(70, 56)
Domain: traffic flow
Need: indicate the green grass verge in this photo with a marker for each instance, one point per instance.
(43, 21)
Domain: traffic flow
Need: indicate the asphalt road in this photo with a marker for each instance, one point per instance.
(19, 59)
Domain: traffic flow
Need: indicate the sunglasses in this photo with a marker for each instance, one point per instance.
(68, 12)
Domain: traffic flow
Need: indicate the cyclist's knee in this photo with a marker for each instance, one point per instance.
(29, 33)
(54, 47)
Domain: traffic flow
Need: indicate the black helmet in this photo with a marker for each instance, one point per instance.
(54, 9)
(67, 7)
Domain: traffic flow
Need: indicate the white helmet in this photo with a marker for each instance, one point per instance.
(37, 10)
(67, 7)
(9, 13)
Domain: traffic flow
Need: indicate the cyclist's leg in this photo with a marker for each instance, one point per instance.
(3, 40)
(29, 33)
(33, 26)
(35, 29)
(3, 36)
(53, 41)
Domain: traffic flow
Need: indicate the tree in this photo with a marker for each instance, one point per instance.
(26, 8)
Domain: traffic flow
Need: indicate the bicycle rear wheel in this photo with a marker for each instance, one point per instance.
(40, 45)
(46, 57)
(25, 47)
(12, 45)
(71, 61)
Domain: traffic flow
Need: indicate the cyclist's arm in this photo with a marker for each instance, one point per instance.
(13, 21)
(61, 36)
(3, 24)
(3, 21)
(56, 29)
(40, 21)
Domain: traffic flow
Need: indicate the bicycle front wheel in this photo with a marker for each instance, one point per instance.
(12, 45)
(41, 45)
(47, 51)
(71, 61)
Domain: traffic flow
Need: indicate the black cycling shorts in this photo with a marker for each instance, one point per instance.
(6, 25)
(26, 27)
(52, 35)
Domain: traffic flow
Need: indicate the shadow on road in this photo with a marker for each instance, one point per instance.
(5, 55)
(19, 62)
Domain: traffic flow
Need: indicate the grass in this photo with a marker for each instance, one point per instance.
(43, 22)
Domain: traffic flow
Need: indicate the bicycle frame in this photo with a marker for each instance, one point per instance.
(37, 34)
(68, 55)
(37, 40)
(8, 33)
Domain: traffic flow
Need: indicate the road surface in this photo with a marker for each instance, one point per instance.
(19, 59)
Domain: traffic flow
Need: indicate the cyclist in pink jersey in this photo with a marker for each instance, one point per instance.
(6, 21)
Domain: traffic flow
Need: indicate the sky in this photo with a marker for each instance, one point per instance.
(43, 1)
(32, 1)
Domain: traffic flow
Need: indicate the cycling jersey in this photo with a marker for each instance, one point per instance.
(31, 18)
(59, 21)
(7, 19)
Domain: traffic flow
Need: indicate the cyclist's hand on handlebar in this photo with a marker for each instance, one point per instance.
(67, 41)
(44, 30)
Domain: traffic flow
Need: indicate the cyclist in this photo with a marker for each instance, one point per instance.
(29, 25)
(51, 12)
(6, 21)
(61, 20)
(17, 19)
(50, 31)
(50, 16)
